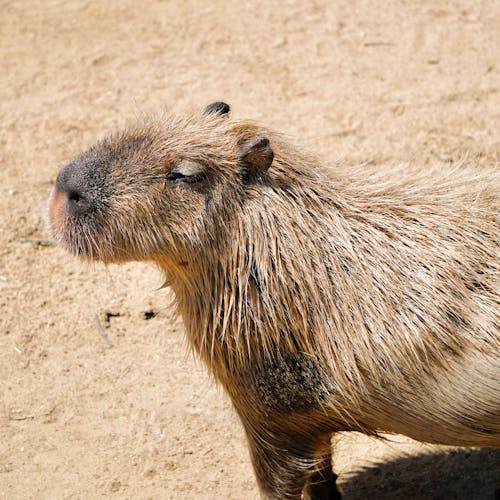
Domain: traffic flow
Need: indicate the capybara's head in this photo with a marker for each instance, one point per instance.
(153, 191)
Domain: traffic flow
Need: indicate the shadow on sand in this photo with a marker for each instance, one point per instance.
(457, 474)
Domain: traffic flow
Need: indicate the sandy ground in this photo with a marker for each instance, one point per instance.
(361, 81)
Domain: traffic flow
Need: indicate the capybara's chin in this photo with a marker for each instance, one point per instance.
(321, 300)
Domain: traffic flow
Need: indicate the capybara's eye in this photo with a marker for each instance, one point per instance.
(188, 172)
(188, 179)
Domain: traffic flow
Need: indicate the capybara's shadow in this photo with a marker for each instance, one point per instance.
(458, 474)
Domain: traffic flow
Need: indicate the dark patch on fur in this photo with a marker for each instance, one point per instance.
(291, 383)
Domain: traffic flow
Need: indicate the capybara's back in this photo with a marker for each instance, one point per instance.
(322, 300)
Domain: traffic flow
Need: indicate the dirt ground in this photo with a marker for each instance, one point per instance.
(356, 80)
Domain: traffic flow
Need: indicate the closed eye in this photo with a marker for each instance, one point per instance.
(188, 179)
(186, 172)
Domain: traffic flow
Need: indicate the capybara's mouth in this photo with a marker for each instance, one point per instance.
(72, 231)
(88, 230)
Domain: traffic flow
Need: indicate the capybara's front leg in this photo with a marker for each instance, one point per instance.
(281, 470)
(287, 467)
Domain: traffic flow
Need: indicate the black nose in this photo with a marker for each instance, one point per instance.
(72, 181)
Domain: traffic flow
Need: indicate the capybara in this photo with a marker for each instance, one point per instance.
(322, 300)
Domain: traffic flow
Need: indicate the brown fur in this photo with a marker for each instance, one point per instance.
(321, 300)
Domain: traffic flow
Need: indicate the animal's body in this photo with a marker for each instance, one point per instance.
(321, 301)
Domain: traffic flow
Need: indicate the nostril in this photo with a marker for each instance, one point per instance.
(74, 196)
(77, 203)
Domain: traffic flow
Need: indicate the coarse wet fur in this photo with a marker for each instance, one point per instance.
(321, 300)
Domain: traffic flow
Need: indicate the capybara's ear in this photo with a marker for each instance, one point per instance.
(217, 108)
(255, 157)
